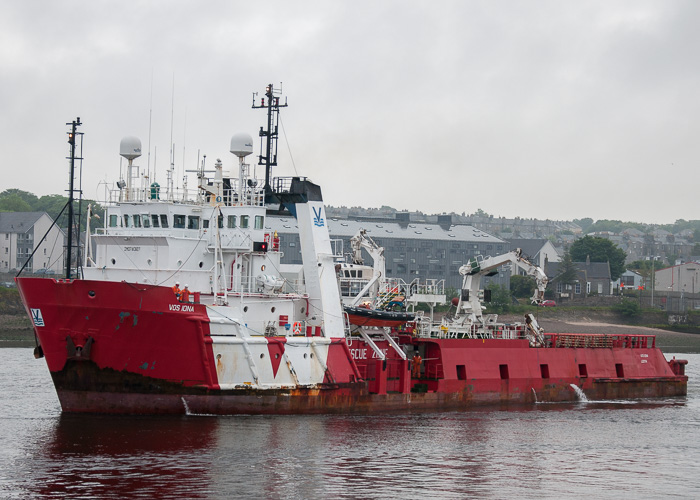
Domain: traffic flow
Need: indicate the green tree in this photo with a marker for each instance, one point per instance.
(522, 286)
(17, 194)
(568, 272)
(599, 250)
(585, 223)
(501, 299)
(14, 203)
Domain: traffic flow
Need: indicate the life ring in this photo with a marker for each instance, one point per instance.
(296, 328)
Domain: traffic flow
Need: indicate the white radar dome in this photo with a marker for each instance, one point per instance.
(242, 145)
(130, 148)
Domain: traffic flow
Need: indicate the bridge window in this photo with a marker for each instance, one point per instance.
(163, 221)
(221, 221)
(126, 221)
(112, 221)
(244, 222)
(179, 221)
(259, 222)
(146, 221)
(231, 221)
(154, 219)
(192, 222)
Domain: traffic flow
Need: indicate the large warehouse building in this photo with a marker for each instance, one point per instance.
(412, 250)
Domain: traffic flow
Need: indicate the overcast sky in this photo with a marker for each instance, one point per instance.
(537, 109)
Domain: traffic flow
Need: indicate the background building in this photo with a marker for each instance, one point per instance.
(680, 278)
(20, 232)
(411, 249)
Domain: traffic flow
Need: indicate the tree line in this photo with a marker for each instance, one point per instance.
(16, 200)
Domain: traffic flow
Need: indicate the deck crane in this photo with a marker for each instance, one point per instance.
(357, 243)
(469, 309)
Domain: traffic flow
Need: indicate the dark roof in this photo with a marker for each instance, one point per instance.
(592, 270)
(530, 246)
(417, 231)
(18, 222)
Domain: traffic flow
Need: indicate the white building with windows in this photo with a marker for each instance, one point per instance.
(20, 233)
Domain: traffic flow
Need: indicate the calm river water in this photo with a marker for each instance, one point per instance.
(647, 449)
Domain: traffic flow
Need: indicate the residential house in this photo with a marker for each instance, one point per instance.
(630, 280)
(21, 233)
(592, 278)
(539, 251)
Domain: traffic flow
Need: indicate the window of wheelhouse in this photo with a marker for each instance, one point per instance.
(137, 221)
(231, 221)
(205, 224)
(154, 220)
(113, 220)
(126, 221)
(192, 222)
(163, 220)
(146, 220)
(221, 221)
(244, 222)
(259, 222)
(179, 221)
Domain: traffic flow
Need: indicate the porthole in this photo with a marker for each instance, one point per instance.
(91, 294)
(262, 355)
(245, 309)
(114, 261)
(277, 355)
(302, 310)
(201, 264)
(262, 268)
(179, 263)
(273, 309)
(218, 356)
(305, 355)
(312, 355)
(149, 262)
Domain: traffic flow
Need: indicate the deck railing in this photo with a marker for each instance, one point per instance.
(599, 340)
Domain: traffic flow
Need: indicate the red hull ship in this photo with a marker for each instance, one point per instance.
(119, 348)
(250, 340)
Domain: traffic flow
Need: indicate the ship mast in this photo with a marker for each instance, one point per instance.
(269, 136)
(71, 190)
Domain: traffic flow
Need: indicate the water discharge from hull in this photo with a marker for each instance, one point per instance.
(187, 408)
(579, 393)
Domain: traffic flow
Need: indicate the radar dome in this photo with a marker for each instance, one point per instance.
(130, 148)
(242, 145)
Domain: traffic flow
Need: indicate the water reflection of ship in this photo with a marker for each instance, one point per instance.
(125, 457)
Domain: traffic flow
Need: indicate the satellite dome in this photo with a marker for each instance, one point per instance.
(130, 147)
(242, 145)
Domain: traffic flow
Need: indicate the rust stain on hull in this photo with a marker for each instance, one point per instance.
(83, 387)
